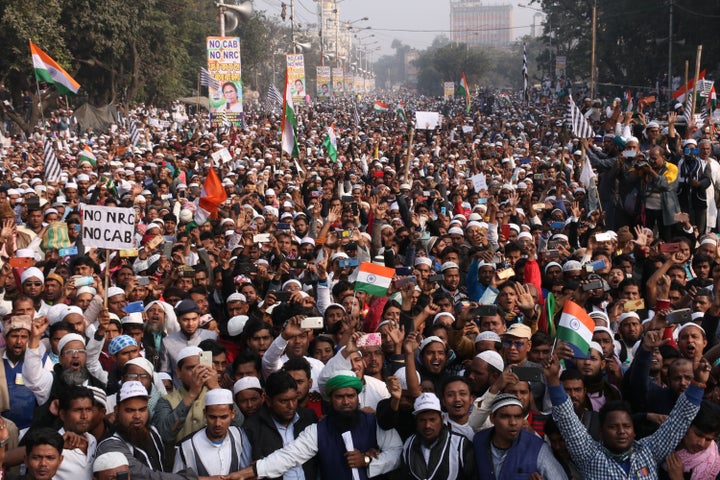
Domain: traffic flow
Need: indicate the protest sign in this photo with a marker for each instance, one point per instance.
(111, 228)
(427, 120)
(225, 91)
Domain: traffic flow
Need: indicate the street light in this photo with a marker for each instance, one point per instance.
(233, 13)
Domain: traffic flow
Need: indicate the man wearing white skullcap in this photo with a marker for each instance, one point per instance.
(220, 448)
(108, 465)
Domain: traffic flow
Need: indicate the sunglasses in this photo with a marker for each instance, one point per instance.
(515, 343)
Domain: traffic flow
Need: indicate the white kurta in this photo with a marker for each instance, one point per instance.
(712, 211)
(76, 464)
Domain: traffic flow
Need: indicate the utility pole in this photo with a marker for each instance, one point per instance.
(337, 35)
(292, 25)
(322, 28)
(670, 44)
(592, 55)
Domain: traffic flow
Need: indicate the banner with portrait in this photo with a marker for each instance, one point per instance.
(349, 83)
(448, 90)
(225, 99)
(323, 82)
(337, 78)
(296, 77)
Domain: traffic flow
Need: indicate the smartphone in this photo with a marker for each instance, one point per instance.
(403, 271)
(70, 251)
(482, 201)
(143, 281)
(425, 236)
(283, 226)
(167, 250)
(486, 311)
(681, 217)
(505, 274)
(670, 247)
(405, 281)
(603, 237)
(84, 281)
(347, 198)
(443, 211)
(348, 262)
(632, 305)
(297, 263)
(261, 238)
(557, 225)
(134, 307)
(21, 262)
(528, 374)
(436, 278)
(282, 297)
(596, 265)
(552, 254)
(505, 230)
(313, 323)
(538, 206)
(539, 176)
(155, 242)
(355, 208)
(369, 339)
(593, 285)
(206, 358)
(681, 317)
(426, 193)
(133, 252)
(246, 268)
(346, 234)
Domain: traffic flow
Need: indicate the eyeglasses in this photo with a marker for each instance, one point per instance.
(519, 344)
(33, 284)
(137, 376)
(70, 353)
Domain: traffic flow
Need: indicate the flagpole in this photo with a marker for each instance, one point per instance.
(408, 155)
(197, 99)
(697, 74)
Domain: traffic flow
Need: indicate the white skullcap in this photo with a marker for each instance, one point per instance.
(401, 375)
(491, 357)
(186, 352)
(487, 335)
(218, 396)
(112, 291)
(524, 235)
(236, 325)
(67, 338)
(109, 461)
(246, 383)
(143, 363)
(236, 297)
(32, 272)
(423, 261)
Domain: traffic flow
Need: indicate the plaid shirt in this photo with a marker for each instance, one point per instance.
(590, 456)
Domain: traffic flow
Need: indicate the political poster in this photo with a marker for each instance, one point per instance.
(338, 82)
(359, 84)
(427, 120)
(225, 94)
(560, 66)
(349, 83)
(448, 90)
(296, 77)
(111, 228)
(323, 82)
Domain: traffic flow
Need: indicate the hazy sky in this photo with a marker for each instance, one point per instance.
(388, 17)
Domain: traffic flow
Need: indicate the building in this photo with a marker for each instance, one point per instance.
(475, 23)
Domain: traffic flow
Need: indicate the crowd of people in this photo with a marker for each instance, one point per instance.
(241, 346)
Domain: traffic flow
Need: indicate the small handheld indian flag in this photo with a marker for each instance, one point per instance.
(576, 328)
(289, 124)
(464, 91)
(86, 155)
(380, 106)
(48, 70)
(330, 143)
(401, 112)
(374, 279)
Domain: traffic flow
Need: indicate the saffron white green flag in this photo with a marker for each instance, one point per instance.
(374, 279)
(330, 143)
(48, 70)
(289, 124)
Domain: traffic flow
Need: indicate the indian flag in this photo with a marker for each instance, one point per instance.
(576, 328)
(47, 70)
(330, 143)
(464, 91)
(86, 155)
(380, 106)
(374, 279)
(401, 112)
(289, 124)
(680, 94)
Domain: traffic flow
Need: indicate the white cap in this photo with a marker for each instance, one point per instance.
(109, 461)
(112, 291)
(236, 325)
(246, 383)
(69, 337)
(186, 352)
(487, 335)
(596, 346)
(425, 402)
(132, 389)
(491, 357)
(32, 272)
(429, 340)
(401, 374)
(143, 363)
(236, 297)
(626, 315)
(218, 396)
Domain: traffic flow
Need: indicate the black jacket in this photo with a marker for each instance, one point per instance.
(265, 438)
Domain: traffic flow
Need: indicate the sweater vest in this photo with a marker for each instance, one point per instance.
(520, 461)
(331, 448)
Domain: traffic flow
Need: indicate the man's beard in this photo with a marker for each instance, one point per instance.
(137, 436)
(152, 327)
(75, 378)
(344, 421)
